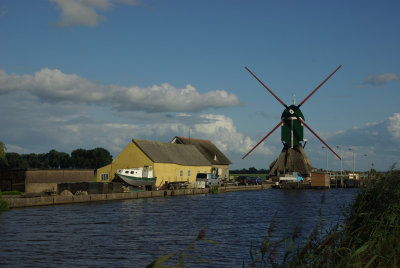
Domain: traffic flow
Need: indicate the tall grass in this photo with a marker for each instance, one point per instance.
(369, 237)
(3, 204)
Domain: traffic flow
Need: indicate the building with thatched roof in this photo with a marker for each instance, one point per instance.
(171, 162)
(291, 160)
(220, 163)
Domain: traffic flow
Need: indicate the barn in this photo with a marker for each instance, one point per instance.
(219, 162)
(41, 180)
(171, 162)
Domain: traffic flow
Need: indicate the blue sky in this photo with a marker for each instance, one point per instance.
(85, 74)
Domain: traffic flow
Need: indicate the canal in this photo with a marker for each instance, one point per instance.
(133, 233)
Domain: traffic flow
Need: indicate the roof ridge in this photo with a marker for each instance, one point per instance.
(193, 139)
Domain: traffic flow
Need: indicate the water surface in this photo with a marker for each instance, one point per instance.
(133, 233)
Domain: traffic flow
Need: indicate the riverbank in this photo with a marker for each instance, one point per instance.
(21, 201)
(368, 237)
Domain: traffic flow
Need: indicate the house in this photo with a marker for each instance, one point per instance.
(171, 162)
(219, 162)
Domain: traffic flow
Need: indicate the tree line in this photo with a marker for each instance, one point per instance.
(79, 158)
(251, 170)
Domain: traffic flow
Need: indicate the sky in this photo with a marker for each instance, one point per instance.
(98, 73)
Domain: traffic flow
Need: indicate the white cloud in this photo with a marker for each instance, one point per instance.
(80, 12)
(378, 142)
(85, 12)
(394, 125)
(221, 130)
(55, 86)
(377, 80)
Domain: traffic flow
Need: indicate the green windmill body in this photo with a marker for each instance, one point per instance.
(292, 130)
(292, 157)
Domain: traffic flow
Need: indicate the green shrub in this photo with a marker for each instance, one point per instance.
(3, 204)
(12, 193)
(214, 189)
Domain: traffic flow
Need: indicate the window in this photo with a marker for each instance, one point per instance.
(181, 173)
(104, 176)
(188, 173)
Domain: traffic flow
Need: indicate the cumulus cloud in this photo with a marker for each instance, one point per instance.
(377, 80)
(85, 12)
(55, 86)
(378, 142)
(394, 125)
(222, 131)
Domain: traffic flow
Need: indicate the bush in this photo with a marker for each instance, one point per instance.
(3, 204)
(11, 193)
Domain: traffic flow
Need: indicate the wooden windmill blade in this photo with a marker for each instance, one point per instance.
(315, 134)
(292, 157)
(280, 123)
(270, 91)
(323, 82)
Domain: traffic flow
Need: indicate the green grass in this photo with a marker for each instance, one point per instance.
(3, 204)
(369, 237)
(11, 193)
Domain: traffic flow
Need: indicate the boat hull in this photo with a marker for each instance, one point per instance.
(137, 181)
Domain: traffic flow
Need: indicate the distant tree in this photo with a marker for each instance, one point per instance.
(95, 158)
(3, 158)
(393, 166)
(253, 170)
(58, 159)
(79, 158)
(16, 161)
(44, 160)
(101, 157)
(64, 160)
(32, 159)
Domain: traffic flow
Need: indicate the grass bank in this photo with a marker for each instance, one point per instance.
(369, 237)
(3, 204)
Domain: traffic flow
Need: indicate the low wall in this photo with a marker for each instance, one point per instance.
(19, 202)
(40, 187)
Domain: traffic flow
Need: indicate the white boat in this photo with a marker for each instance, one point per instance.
(142, 176)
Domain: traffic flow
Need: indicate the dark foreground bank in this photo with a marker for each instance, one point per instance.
(370, 235)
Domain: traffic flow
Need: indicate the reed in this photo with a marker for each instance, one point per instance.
(3, 204)
(369, 236)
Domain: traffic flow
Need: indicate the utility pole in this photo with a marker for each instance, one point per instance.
(341, 166)
(323, 147)
(354, 161)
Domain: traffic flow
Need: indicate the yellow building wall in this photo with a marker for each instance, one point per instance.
(167, 172)
(223, 171)
(130, 157)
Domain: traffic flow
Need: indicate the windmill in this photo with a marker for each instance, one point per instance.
(292, 158)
